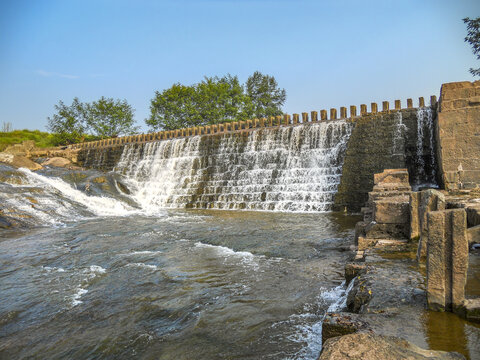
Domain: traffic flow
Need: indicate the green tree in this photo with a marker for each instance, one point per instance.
(221, 100)
(267, 99)
(110, 118)
(69, 123)
(215, 100)
(174, 108)
(473, 38)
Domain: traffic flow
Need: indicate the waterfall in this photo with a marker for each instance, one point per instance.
(279, 169)
(425, 150)
(399, 135)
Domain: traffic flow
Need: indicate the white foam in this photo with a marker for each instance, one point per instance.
(99, 205)
(78, 294)
(50, 269)
(145, 252)
(144, 266)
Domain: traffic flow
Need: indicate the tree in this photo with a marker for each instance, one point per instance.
(473, 38)
(215, 100)
(110, 118)
(174, 108)
(221, 100)
(69, 123)
(267, 99)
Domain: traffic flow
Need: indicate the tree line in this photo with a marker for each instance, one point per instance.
(211, 101)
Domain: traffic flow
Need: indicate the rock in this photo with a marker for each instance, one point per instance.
(100, 180)
(361, 346)
(394, 210)
(473, 215)
(352, 270)
(473, 235)
(470, 310)
(123, 188)
(57, 161)
(338, 324)
(391, 176)
(19, 161)
(359, 296)
(429, 200)
(447, 259)
(364, 242)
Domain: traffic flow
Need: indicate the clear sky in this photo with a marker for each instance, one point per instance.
(324, 53)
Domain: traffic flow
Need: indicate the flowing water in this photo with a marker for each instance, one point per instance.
(425, 150)
(105, 279)
(281, 169)
(128, 264)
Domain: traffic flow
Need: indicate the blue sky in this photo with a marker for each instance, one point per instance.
(324, 53)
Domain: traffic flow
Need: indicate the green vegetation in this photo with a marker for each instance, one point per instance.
(215, 100)
(42, 139)
(473, 38)
(103, 118)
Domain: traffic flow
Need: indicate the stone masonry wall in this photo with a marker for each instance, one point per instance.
(380, 140)
(458, 135)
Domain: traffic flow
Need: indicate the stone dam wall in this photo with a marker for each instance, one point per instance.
(388, 138)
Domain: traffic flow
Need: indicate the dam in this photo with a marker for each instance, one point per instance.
(281, 164)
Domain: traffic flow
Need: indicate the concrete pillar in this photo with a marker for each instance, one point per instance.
(333, 114)
(241, 125)
(447, 259)
(256, 123)
(343, 112)
(286, 119)
(363, 109)
(385, 106)
(433, 100)
(314, 116)
(409, 103)
(353, 111)
(263, 122)
(374, 108)
(421, 102)
(271, 120)
(278, 120)
(249, 124)
(304, 117)
(296, 119)
(398, 105)
(323, 115)
(234, 125)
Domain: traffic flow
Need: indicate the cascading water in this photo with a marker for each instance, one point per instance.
(281, 169)
(425, 150)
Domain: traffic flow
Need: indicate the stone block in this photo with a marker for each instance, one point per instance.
(352, 270)
(473, 235)
(414, 206)
(364, 242)
(447, 259)
(473, 215)
(391, 176)
(470, 310)
(391, 212)
(338, 324)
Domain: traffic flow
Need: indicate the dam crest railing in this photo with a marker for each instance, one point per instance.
(249, 125)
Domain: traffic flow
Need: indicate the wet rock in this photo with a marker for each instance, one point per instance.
(58, 162)
(470, 310)
(352, 270)
(100, 180)
(19, 161)
(362, 346)
(123, 188)
(359, 296)
(473, 235)
(339, 324)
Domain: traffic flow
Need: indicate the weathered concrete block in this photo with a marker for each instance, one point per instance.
(352, 270)
(470, 310)
(430, 200)
(391, 176)
(447, 259)
(414, 215)
(391, 212)
(364, 242)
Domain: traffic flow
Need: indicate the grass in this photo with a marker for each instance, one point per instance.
(42, 139)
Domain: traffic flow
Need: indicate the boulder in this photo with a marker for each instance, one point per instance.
(360, 346)
(338, 324)
(57, 161)
(19, 161)
(470, 310)
(352, 270)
